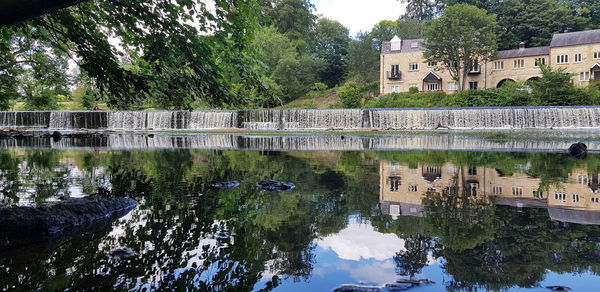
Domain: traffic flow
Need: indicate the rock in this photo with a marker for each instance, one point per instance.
(578, 151)
(357, 288)
(56, 136)
(558, 288)
(20, 225)
(226, 184)
(275, 186)
(121, 253)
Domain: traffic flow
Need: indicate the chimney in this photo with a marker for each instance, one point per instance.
(521, 45)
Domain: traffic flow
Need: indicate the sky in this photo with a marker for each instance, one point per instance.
(359, 15)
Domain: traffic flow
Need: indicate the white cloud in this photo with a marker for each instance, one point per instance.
(360, 15)
(361, 241)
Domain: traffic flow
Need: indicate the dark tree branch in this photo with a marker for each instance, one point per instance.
(14, 11)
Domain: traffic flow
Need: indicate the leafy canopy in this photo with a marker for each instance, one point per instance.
(463, 36)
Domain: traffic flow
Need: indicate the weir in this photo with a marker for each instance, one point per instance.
(311, 119)
(297, 142)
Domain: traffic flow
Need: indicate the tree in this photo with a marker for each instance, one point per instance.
(555, 88)
(181, 47)
(293, 18)
(461, 37)
(331, 44)
(363, 58)
(421, 9)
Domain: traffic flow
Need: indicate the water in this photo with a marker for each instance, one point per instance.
(302, 119)
(465, 220)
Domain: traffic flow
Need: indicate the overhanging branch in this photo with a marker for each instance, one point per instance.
(14, 11)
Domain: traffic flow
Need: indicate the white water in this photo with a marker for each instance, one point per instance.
(296, 143)
(303, 119)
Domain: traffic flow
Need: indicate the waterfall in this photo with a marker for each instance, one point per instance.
(313, 119)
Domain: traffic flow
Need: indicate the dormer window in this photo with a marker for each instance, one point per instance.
(396, 43)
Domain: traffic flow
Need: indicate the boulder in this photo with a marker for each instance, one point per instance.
(275, 186)
(578, 151)
(20, 225)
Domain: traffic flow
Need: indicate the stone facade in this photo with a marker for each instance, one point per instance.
(402, 189)
(402, 65)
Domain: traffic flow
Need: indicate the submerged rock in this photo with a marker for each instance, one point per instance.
(399, 285)
(121, 253)
(578, 151)
(19, 225)
(226, 184)
(275, 186)
(558, 288)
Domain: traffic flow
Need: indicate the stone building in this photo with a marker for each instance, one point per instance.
(402, 189)
(402, 65)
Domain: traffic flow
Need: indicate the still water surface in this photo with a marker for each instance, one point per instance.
(464, 220)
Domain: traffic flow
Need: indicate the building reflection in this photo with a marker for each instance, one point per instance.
(404, 186)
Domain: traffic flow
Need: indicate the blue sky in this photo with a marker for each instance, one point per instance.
(359, 15)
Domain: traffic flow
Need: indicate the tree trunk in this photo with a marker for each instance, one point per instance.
(14, 11)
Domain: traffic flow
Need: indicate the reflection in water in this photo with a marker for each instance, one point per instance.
(477, 220)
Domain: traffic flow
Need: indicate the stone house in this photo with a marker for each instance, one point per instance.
(402, 65)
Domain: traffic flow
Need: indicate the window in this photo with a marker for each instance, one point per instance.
(413, 67)
(595, 200)
(453, 85)
(395, 167)
(451, 190)
(431, 190)
(395, 73)
(560, 196)
(394, 183)
(414, 45)
(583, 179)
(412, 189)
(473, 85)
(499, 65)
(451, 170)
(413, 85)
(596, 55)
(517, 191)
(453, 64)
(412, 170)
(562, 59)
(433, 86)
(584, 76)
(540, 61)
(520, 63)
(396, 44)
(395, 88)
(577, 58)
(575, 198)
(538, 194)
(472, 170)
(431, 64)
(497, 190)
(472, 189)
(475, 68)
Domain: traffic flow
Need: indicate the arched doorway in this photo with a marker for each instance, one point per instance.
(504, 81)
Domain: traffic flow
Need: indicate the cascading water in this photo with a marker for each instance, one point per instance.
(306, 119)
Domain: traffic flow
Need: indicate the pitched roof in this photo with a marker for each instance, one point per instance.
(386, 46)
(432, 77)
(575, 38)
(525, 52)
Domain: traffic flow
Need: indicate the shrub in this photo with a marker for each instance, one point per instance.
(413, 89)
(555, 88)
(319, 86)
(44, 101)
(351, 94)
